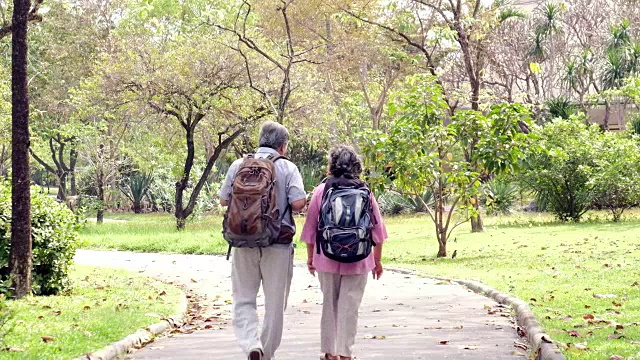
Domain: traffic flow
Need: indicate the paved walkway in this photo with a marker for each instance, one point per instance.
(402, 317)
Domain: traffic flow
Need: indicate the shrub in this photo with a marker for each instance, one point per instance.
(635, 124)
(617, 181)
(560, 171)
(500, 196)
(55, 240)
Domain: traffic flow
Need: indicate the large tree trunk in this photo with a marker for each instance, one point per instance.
(20, 253)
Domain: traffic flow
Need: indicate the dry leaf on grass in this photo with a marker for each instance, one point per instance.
(48, 339)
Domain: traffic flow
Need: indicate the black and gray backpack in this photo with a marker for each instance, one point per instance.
(345, 221)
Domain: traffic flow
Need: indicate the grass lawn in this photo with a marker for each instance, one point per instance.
(103, 307)
(565, 271)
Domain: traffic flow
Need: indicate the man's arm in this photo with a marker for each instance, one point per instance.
(295, 190)
(298, 205)
(225, 190)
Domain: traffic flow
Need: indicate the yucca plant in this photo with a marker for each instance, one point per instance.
(500, 196)
(135, 188)
(560, 107)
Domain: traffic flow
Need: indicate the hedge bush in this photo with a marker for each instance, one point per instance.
(54, 230)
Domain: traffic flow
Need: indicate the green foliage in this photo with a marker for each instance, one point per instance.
(560, 171)
(500, 196)
(55, 240)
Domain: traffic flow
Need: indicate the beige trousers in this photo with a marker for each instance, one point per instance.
(342, 295)
(273, 267)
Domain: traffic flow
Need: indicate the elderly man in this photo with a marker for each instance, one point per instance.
(271, 265)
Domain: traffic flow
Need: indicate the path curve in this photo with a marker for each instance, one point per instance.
(403, 317)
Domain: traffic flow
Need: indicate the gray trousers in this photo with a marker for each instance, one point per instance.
(342, 295)
(273, 267)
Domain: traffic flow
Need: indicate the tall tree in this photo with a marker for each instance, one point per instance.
(465, 23)
(20, 253)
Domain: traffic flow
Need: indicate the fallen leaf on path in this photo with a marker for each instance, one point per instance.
(444, 342)
(156, 347)
(375, 337)
(470, 348)
(48, 339)
(193, 281)
(520, 345)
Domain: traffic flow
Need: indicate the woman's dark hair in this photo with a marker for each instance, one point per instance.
(343, 159)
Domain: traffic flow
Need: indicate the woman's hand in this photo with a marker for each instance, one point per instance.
(310, 267)
(378, 270)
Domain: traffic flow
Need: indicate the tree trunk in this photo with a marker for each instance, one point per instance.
(477, 224)
(442, 247)
(100, 186)
(181, 213)
(62, 187)
(20, 252)
(73, 159)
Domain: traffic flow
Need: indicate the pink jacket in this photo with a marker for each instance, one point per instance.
(321, 262)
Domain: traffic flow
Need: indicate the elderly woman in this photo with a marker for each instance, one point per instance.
(342, 284)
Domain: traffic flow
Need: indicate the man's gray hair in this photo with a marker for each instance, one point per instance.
(343, 159)
(273, 135)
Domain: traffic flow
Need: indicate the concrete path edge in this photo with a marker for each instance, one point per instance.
(141, 337)
(542, 345)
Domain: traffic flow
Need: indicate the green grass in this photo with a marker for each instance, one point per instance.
(103, 307)
(557, 268)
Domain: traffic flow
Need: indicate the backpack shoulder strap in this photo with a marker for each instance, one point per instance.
(275, 158)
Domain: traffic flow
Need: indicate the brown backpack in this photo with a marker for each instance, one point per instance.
(252, 218)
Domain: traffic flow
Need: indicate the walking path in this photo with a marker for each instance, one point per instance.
(402, 317)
